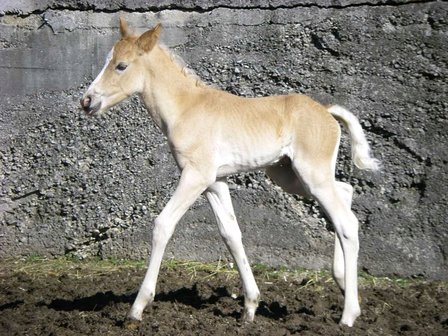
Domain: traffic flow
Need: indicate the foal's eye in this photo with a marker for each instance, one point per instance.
(121, 66)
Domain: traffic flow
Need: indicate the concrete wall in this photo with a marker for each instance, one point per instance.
(70, 184)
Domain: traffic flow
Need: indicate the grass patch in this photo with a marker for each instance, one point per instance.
(210, 269)
(36, 266)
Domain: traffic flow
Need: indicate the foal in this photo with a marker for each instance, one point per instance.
(213, 134)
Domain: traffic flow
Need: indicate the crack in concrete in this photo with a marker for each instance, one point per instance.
(208, 9)
(385, 3)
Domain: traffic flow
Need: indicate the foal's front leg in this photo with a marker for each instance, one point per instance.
(192, 183)
(219, 198)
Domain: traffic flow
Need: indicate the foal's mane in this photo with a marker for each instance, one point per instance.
(185, 70)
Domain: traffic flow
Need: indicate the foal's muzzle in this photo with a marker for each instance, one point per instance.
(89, 106)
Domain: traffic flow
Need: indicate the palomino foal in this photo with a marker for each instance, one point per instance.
(213, 133)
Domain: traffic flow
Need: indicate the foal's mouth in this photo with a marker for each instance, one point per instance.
(91, 110)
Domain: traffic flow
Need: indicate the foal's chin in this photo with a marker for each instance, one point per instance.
(95, 111)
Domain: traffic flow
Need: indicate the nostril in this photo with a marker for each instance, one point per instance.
(85, 102)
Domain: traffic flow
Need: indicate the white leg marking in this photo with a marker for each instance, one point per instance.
(191, 185)
(219, 198)
(346, 226)
(335, 199)
(338, 269)
(346, 193)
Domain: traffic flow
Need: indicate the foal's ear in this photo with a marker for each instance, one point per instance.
(149, 38)
(124, 28)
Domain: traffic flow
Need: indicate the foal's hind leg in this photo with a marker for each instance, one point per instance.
(346, 192)
(321, 185)
(219, 198)
(284, 176)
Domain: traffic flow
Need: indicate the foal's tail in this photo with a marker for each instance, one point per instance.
(360, 148)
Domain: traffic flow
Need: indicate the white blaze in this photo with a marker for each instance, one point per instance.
(108, 59)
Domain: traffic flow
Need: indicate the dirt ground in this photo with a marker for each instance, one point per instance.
(92, 298)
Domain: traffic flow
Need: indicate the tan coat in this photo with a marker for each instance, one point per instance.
(213, 133)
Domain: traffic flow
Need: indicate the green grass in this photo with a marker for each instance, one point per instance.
(37, 266)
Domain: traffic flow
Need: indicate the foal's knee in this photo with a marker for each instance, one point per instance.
(348, 234)
(162, 231)
(229, 230)
(346, 192)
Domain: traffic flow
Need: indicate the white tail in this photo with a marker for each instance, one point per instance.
(360, 148)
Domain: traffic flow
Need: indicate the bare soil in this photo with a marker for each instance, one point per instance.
(77, 298)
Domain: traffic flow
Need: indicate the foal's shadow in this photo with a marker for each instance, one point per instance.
(191, 297)
(95, 302)
(187, 296)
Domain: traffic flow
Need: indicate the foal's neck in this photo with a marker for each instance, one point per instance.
(169, 90)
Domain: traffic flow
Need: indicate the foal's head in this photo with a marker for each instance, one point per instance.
(122, 75)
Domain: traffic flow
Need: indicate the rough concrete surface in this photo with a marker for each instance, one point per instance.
(92, 186)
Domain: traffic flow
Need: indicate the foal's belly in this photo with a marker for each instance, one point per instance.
(236, 161)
